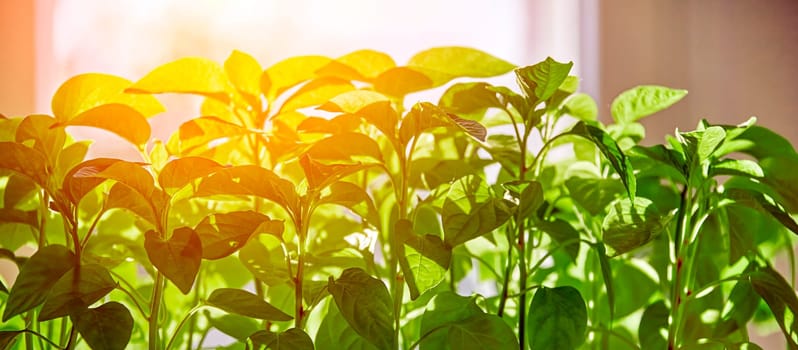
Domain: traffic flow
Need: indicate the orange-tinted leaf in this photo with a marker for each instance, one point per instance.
(124, 197)
(37, 128)
(320, 175)
(25, 161)
(191, 75)
(132, 175)
(87, 91)
(223, 234)
(400, 81)
(87, 175)
(178, 258)
(181, 171)
(353, 101)
(244, 72)
(218, 109)
(199, 132)
(16, 216)
(345, 147)
(340, 124)
(70, 156)
(250, 180)
(368, 63)
(383, 116)
(460, 62)
(316, 92)
(289, 72)
(117, 118)
(17, 189)
(8, 129)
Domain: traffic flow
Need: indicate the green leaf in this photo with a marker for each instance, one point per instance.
(250, 180)
(482, 332)
(529, 195)
(469, 98)
(540, 81)
(632, 289)
(631, 224)
(620, 162)
(557, 319)
(292, 339)
(581, 106)
(265, 259)
(236, 326)
(781, 298)
(223, 234)
(241, 302)
(355, 198)
(710, 140)
(471, 210)
(652, 325)
(76, 290)
(642, 101)
(191, 75)
(593, 194)
(562, 232)
(366, 305)
(739, 309)
(36, 278)
(427, 259)
(738, 167)
(178, 257)
(425, 116)
(459, 62)
(108, 326)
(335, 333)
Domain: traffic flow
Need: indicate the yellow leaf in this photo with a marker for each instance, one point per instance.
(191, 75)
(25, 161)
(199, 132)
(337, 125)
(48, 140)
(401, 81)
(290, 72)
(353, 101)
(368, 63)
(460, 62)
(315, 93)
(244, 72)
(345, 147)
(181, 171)
(86, 91)
(117, 118)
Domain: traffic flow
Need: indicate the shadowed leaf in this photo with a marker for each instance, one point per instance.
(223, 234)
(178, 257)
(36, 278)
(76, 290)
(108, 326)
(292, 339)
(179, 172)
(25, 161)
(244, 303)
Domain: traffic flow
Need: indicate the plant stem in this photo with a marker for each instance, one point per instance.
(42, 337)
(180, 325)
(43, 219)
(521, 223)
(506, 280)
(154, 311)
(680, 251)
(73, 337)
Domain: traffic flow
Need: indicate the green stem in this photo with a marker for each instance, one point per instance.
(42, 337)
(185, 319)
(615, 334)
(680, 250)
(73, 337)
(506, 280)
(155, 306)
(43, 219)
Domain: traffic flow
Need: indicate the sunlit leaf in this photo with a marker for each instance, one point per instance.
(642, 101)
(177, 257)
(36, 278)
(71, 156)
(740, 167)
(400, 81)
(84, 92)
(620, 162)
(244, 303)
(781, 298)
(594, 194)
(563, 233)
(557, 319)
(367, 63)
(76, 290)
(265, 259)
(124, 197)
(46, 139)
(631, 224)
(200, 133)
(315, 93)
(581, 106)
(539, 82)
(425, 116)
(320, 175)
(653, 325)
(366, 305)
(471, 210)
(469, 98)
(355, 198)
(456, 322)
(108, 326)
(459, 62)
(353, 101)
(739, 309)
(337, 125)
(292, 339)
(180, 172)
(25, 161)
(335, 333)
(244, 72)
(117, 118)
(349, 146)
(529, 195)
(223, 234)
(250, 180)
(191, 75)
(288, 73)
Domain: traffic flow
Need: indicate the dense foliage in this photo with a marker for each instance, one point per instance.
(313, 204)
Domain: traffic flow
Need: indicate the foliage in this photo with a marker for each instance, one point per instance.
(311, 205)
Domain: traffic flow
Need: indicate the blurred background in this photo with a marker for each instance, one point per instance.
(736, 57)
